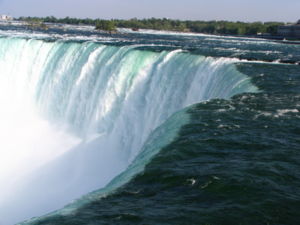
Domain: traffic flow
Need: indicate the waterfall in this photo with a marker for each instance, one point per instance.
(75, 115)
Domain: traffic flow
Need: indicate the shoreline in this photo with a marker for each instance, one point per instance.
(278, 39)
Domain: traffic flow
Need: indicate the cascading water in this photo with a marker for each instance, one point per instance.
(75, 115)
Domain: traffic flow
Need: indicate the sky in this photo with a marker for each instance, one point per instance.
(232, 10)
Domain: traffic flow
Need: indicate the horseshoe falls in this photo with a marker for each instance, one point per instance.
(94, 124)
(77, 114)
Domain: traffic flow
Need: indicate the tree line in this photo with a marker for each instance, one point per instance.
(207, 27)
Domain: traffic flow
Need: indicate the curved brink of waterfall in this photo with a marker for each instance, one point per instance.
(88, 112)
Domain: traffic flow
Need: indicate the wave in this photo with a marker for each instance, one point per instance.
(104, 101)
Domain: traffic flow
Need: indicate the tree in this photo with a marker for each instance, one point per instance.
(106, 25)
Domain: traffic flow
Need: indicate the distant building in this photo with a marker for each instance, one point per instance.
(291, 30)
(5, 17)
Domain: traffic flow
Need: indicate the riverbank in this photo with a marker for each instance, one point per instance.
(207, 27)
(91, 27)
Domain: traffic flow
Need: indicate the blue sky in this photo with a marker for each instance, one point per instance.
(243, 10)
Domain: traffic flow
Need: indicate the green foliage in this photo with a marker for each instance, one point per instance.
(35, 23)
(106, 25)
(208, 27)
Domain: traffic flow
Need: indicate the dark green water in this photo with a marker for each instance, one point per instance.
(236, 162)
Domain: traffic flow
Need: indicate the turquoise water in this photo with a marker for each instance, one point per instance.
(169, 129)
